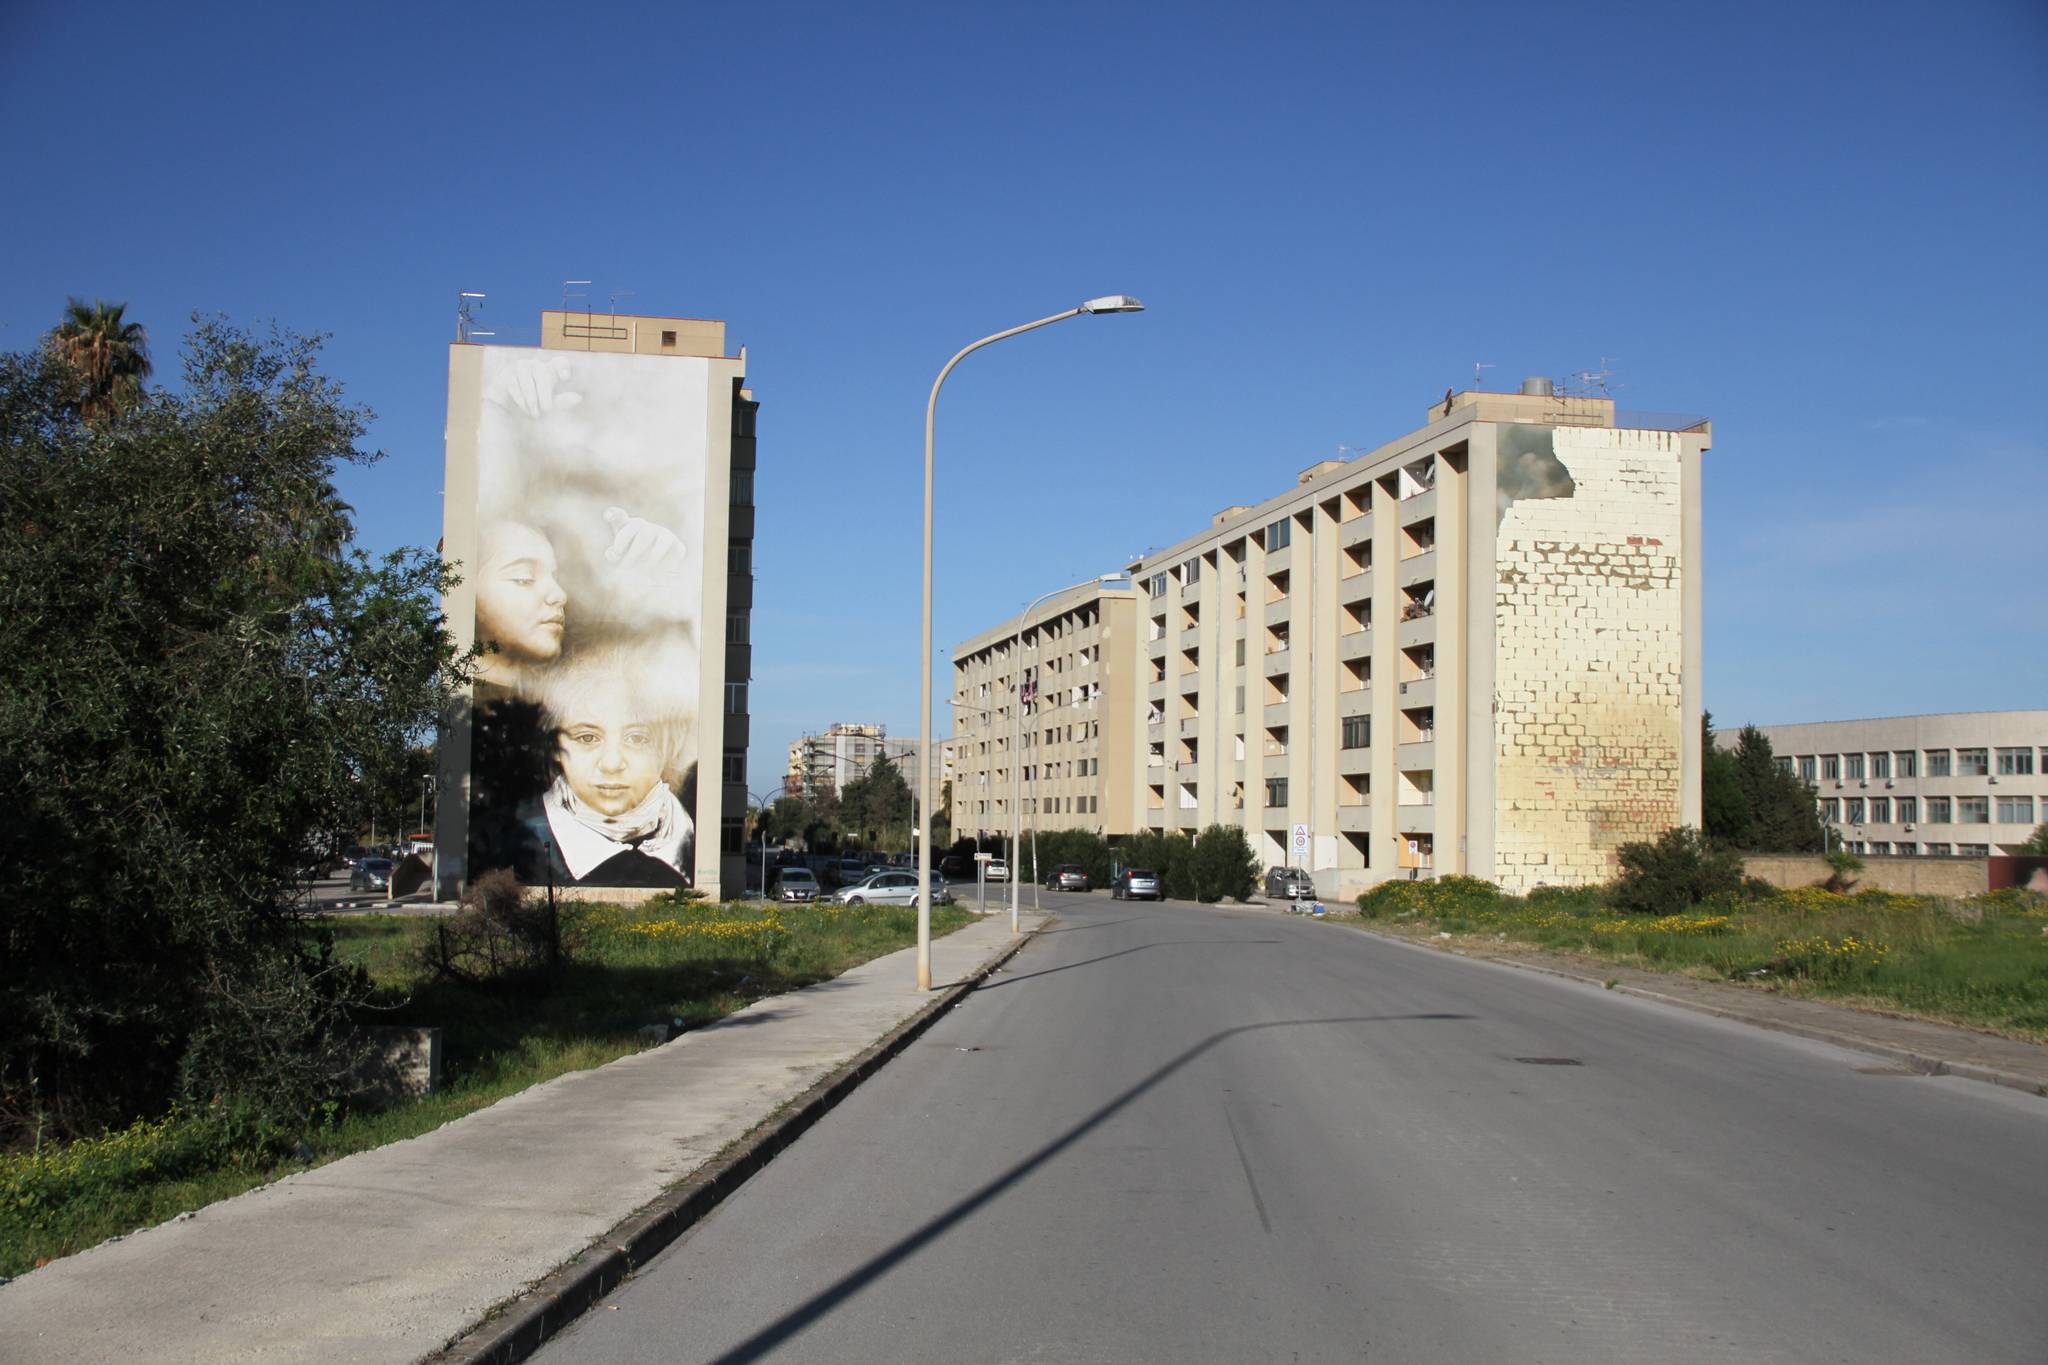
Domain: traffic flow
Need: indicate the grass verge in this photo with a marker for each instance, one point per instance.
(663, 963)
(1980, 962)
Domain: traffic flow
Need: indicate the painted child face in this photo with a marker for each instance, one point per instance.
(519, 603)
(610, 756)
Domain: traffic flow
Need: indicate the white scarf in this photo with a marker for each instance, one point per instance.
(587, 837)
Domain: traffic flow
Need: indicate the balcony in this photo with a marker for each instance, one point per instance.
(1352, 762)
(1418, 568)
(1420, 630)
(1417, 692)
(1415, 819)
(1190, 726)
(1418, 507)
(1354, 819)
(1355, 644)
(1156, 691)
(1415, 756)
(1355, 532)
(1274, 765)
(1191, 637)
(1277, 663)
(1276, 612)
(1276, 713)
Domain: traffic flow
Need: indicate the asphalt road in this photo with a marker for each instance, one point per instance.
(1169, 1133)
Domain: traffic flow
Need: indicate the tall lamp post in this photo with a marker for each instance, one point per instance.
(1016, 755)
(1108, 303)
(761, 804)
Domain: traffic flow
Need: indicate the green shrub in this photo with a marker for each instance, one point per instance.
(1677, 871)
(1221, 864)
(1439, 896)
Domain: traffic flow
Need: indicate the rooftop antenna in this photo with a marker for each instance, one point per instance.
(1481, 365)
(1596, 383)
(464, 313)
(571, 291)
(618, 294)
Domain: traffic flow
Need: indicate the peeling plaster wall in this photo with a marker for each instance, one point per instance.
(1589, 637)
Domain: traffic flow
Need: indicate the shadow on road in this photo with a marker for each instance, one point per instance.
(857, 1279)
(1126, 952)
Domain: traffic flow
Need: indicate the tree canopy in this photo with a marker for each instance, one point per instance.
(107, 354)
(1750, 801)
(200, 691)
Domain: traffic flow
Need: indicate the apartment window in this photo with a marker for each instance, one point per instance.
(735, 699)
(1973, 810)
(743, 488)
(732, 834)
(2015, 810)
(1855, 811)
(1880, 767)
(1358, 732)
(1937, 763)
(1906, 762)
(1908, 808)
(1905, 850)
(1939, 810)
(1240, 653)
(2015, 762)
(1279, 535)
(739, 557)
(1276, 791)
(1808, 765)
(1880, 810)
(1240, 700)
(1831, 767)
(1852, 767)
(1157, 587)
(1191, 572)
(736, 628)
(1831, 810)
(1973, 850)
(1784, 763)
(735, 769)
(1973, 763)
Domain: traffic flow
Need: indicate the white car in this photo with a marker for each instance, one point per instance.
(998, 870)
(891, 888)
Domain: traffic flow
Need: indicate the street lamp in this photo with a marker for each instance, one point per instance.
(761, 803)
(1108, 303)
(1016, 760)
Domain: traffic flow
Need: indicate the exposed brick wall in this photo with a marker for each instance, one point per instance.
(1589, 618)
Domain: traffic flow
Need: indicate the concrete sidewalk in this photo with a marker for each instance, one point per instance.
(389, 1254)
(1914, 1044)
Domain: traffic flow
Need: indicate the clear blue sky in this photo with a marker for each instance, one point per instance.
(1820, 224)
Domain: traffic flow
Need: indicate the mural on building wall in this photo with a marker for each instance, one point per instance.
(588, 576)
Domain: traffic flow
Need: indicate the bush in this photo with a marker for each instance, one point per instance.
(503, 928)
(1221, 864)
(1842, 868)
(1440, 896)
(1677, 871)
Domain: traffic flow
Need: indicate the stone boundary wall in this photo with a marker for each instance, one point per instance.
(1911, 876)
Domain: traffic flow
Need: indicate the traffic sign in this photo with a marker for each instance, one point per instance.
(1301, 838)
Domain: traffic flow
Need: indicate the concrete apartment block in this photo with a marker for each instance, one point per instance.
(1472, 650)
(1965, 784)
(824, 763)
(1074, 763)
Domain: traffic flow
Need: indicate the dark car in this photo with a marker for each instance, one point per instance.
(370, 874)
(1067, 877)
(1289, 884)
(1136, 884)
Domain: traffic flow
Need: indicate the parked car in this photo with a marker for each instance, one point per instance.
(998, 870)
(1067, 877)
(795, 884)
(1136, 884)
(849, 869)
(370, 874)
(1289, 884)
(953, 865)
(891, 888)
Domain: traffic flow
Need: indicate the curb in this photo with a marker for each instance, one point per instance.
(1919, 1062)
(519, 1327)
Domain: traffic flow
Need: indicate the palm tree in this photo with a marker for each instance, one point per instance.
(110, 354)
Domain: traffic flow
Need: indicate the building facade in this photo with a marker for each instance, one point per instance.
(1074, 763)
(1964, 784)
(1472, 650)
(600, 511)
(822, 764)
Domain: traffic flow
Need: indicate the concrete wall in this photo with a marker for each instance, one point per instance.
(1589, 617)
(1913, 876)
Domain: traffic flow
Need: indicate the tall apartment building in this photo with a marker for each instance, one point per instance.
(1964, 784)
(600, 509)
(1473, 650)
(824, 763)
(1074, 761)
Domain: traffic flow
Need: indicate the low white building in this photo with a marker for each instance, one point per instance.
(1963, 784)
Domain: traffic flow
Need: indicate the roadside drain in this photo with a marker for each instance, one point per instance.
(1550, 1061)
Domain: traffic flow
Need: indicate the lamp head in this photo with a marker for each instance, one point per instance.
(1113, 303)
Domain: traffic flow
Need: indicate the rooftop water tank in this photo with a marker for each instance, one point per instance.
(1536, 387)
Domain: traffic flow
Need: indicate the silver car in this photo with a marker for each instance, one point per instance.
(1289, 884)
(796, 884)
(891, 888)
(1136, 884)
